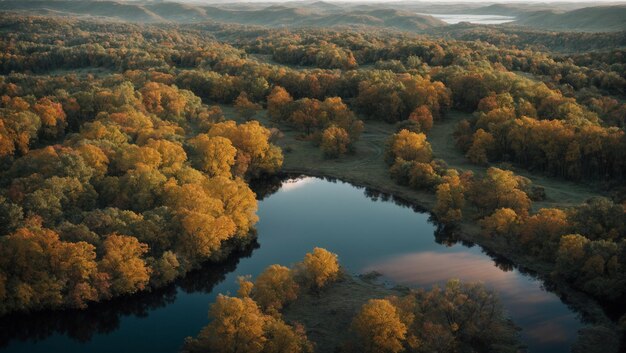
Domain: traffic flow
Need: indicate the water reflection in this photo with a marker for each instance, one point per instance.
(525, 304)
(417, 269)
(103, 318)
(304, 213)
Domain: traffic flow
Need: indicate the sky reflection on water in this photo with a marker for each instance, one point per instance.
(366, 234)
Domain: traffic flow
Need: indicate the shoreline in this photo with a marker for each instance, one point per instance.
(592, 313)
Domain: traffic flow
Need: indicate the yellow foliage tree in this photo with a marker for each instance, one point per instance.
(379, 327)
(335, 142)
(123, 262)
(318, 268)
(216, 155)
(274, 287)
(450, 199)
(409, 146)
(237, 326)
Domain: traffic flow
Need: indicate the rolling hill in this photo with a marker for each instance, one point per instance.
(589, 19)
(313, 14)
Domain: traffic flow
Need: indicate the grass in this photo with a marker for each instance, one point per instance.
(328, 315)
(560, 192)
(366, 167)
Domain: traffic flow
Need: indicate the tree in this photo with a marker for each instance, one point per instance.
(215, 155)
(468, 312)
(53, 118)
(571, 255)
(282, 338)
(140, 189)
(278, 103)
(245, 286)
(482, 144)
(203, 233)
(131, 155)
(379, 328)
(274, 287)
(318, 268)
(237, 325)
(335, 142)
(504, 222)
(422, 116)
(11, 216)
(238, 201)
(123, 262)
(173, 156)
(450, 199)
(422, 176)
(39, 271)
(255, 154)
(408, 146)
(244, 107)
(543, 230)
(499, 189)
(599, 218)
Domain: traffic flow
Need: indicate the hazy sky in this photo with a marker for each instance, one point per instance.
(438, 1)
(594, 2)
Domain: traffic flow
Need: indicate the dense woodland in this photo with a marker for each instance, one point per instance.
(120, 172)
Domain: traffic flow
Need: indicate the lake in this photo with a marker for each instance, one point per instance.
(367, 231)
(478, 19)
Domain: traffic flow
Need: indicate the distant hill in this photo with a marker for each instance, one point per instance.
(501, 10)
(589, 19)
(111, 9)
(322, 6)
(305, 14)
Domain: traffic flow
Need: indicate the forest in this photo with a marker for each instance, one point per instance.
(129, 154)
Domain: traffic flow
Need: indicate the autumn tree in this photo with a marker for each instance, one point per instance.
(245, 108)
(123, 262)
(423, 117)
(335, 142)
(41, 271)
(541, 231)
(499, 189)
(255, 154)
(318, 268)
(450, 198)
(283, 338)
(237, 325)
(215, 155)
(274, 287)
(482, 143)
(571, 255)
(503, 222)
(53, 118)
(277, 103)
(379, 328)
(408, 146)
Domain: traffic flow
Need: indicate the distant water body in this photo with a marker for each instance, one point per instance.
(478, 19)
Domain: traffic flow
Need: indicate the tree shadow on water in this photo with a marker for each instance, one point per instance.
(105, 317)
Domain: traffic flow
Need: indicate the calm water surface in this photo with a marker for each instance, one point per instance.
(367, 234)
(478, 19)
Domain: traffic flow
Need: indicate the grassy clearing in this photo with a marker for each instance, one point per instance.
(366, 167)
(328, 315)
(560, 193)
